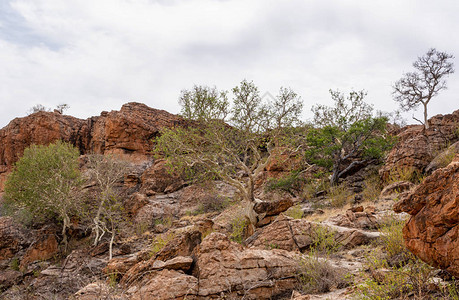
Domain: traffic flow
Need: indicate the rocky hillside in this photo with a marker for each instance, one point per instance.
(128, 131)
(187, 241)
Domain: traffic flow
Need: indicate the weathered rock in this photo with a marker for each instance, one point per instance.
(120, 265)
(95, 290)
(299, 235)
(166, 285)
(272, 208)
(144, 270)
(45, 247)
(12, 237)
(159, 179)
(356, 218)
(129, 132)
(9, 278)
(225, 267)
(433, 229)
(416, 146)
(396, 188)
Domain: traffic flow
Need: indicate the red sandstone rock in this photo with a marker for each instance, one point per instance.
(130, 132)
(416, 147)
(432, 231)
(44, 248)
(11, 237)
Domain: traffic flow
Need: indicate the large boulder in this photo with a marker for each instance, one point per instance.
(300, 235)
(12, 238)
(417, 147)
(433, 229)
(227, 268)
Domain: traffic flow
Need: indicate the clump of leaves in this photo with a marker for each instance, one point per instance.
(292, 183)
(159, 242)
(238, 225)
(294, 212)
(324, 240)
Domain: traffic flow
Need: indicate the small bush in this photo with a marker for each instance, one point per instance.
(14, 264)
(294, 212)
(339, 195)
(316, 275)
(405, 174)
(373, 188)
(159, 242)
(291, 183)
(392, 239)
(324, 241)
(209, 204)
(238, 226)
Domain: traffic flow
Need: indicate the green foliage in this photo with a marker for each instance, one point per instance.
(373, 187)
(344, 131)
(291, 183)
(44, 185)
(324, 240)
(238, 225)
(160, 242)
(204, 103)
(392, 238)
(294, 212)
(14, 264)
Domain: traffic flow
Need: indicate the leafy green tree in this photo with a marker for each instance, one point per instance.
(236, 154)
(45, 184)
(108, 213)
(346, 135)
(204, 103)
(419, 87)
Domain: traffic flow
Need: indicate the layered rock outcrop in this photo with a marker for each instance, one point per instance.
(129, 131)
(416, 147)
(432, 231)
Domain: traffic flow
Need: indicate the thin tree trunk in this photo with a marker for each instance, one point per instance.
(426, 122)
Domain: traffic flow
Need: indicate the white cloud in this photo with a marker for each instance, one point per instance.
(97, 55)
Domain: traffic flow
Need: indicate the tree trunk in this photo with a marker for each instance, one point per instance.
(426, 122)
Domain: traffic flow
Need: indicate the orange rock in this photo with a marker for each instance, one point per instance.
(432, 232)
(129, 132)
(416, 147)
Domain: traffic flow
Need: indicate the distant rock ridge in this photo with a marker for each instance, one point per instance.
(130, 130)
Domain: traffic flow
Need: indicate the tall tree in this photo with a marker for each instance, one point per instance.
(236, 154)
(346, 135)
(45, 184)
(419, 87)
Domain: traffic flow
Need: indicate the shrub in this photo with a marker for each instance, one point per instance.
(295, 212)
(45, 184)
(339, 195)
(324, 240)
(373, 188)
(238, 226)
(291, 183)
(159, 242)
(317, 275)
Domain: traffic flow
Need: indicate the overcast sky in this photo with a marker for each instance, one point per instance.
(97, 55)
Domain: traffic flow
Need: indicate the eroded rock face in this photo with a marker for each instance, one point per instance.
(432, 231)
(299, 235)
(226, 267)
(417, 147)
(12, 238)
(130, 131)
